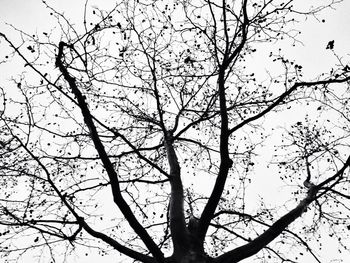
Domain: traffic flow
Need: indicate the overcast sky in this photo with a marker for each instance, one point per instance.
(31, 16)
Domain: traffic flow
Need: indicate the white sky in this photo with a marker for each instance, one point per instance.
(31, 16)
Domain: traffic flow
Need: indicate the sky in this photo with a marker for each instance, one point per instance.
(31, 16)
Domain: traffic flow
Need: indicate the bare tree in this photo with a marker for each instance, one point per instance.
(114, 123)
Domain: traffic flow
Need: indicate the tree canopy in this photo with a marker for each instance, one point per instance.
(142, 130)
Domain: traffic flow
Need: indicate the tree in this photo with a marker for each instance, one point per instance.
(141, 104)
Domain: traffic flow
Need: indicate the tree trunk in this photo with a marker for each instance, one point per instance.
(194, 252)
(193, 256)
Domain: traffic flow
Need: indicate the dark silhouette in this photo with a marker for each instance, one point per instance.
(139, 135)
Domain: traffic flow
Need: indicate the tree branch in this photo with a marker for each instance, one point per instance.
(270, 234)
(280, 225)
(225, 161)
(113, 177)
(283, 96)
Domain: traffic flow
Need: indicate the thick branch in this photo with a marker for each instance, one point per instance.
(113, 177)
(225, 161)
(252, 218)
(225, 164)
(178, 228)
(270, 234)
(119, 247)
(280, 225)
